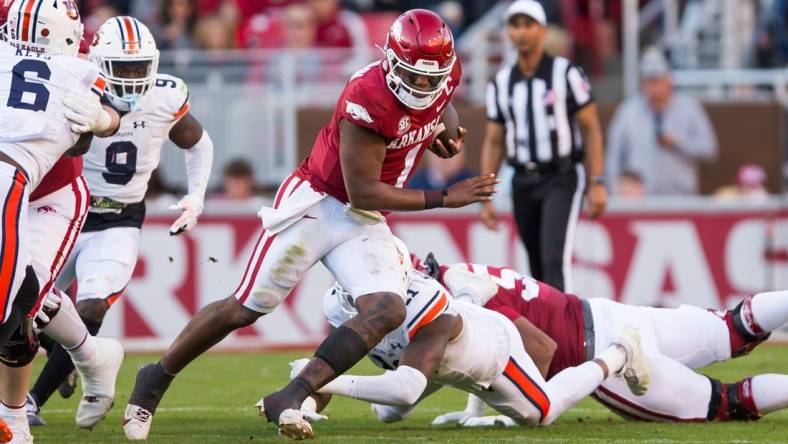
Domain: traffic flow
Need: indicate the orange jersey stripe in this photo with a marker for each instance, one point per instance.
(100, 83)
(26, 21)
(528, 388)
(433, 313)
(10, 240)
(114, 296)
(181, 112)
(130, 32)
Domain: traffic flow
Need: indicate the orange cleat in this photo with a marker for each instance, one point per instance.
(6, 435)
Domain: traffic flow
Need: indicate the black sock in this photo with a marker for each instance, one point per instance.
(342, 349)
(149, 387)
(23, 302)
(46, 342)
(57, 368)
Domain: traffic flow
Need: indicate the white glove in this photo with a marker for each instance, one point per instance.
(309, 409)
(296, 366)
(487, 421)
(85, 113)
(474, 408)
(450, 418)
(192, 208)
(52, 302)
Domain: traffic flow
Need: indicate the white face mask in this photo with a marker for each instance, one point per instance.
(126, 92)
(346, 303)
(410, 95)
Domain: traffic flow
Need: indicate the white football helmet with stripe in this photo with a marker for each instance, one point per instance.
(44, 26)
(126, 52)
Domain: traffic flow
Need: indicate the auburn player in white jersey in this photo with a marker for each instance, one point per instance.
(448, 342)
(154, 107)
(48, 97)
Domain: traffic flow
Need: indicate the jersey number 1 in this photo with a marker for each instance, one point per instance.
(29, 95)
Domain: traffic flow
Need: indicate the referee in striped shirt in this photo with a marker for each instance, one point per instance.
(543, 120)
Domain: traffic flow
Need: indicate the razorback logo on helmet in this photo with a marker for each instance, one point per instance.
(396, 30)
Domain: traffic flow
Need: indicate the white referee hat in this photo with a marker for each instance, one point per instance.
(531, 8)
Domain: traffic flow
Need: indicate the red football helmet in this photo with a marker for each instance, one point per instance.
(5, 5)
(419, 57)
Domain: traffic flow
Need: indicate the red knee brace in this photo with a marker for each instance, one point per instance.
(742, 342)
(732, 402)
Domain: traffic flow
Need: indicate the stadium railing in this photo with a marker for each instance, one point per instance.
(662, 252)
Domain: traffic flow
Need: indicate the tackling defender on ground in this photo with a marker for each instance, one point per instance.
(449, 342)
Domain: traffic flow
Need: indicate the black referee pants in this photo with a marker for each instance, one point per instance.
(546, 208)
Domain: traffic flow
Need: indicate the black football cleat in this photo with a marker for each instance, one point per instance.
(67, 387)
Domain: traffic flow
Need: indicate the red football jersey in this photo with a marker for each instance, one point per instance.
(557, 314)
(63, 172)
(367, 101)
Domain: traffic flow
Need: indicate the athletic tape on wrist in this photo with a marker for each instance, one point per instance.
(433, 199)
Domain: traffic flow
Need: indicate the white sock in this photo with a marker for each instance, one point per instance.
(66, 327)
(571, 385)
(9, 411)
(614, 358)
(770, 392)
(769, 310)
(85, 354)
(475, 405)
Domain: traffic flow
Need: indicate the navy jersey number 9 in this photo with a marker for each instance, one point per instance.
(20, 86)
(121, 163)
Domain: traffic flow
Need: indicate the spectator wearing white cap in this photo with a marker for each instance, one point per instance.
(660, 134)
(543, 120)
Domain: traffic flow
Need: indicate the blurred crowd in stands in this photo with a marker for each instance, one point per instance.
(225, 24)
(359, 24)
(588, 31)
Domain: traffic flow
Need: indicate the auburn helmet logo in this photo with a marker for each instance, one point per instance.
(71, 9)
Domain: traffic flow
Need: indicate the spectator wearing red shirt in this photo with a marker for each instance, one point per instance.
(338, 28)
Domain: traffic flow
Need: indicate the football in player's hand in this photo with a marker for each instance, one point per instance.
(448, 129)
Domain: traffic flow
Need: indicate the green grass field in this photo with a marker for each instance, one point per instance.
(213, 401)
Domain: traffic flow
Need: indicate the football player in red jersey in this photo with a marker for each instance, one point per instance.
(675, 341)
(331, 210)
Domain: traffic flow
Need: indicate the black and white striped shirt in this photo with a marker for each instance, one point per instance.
(539, 112)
